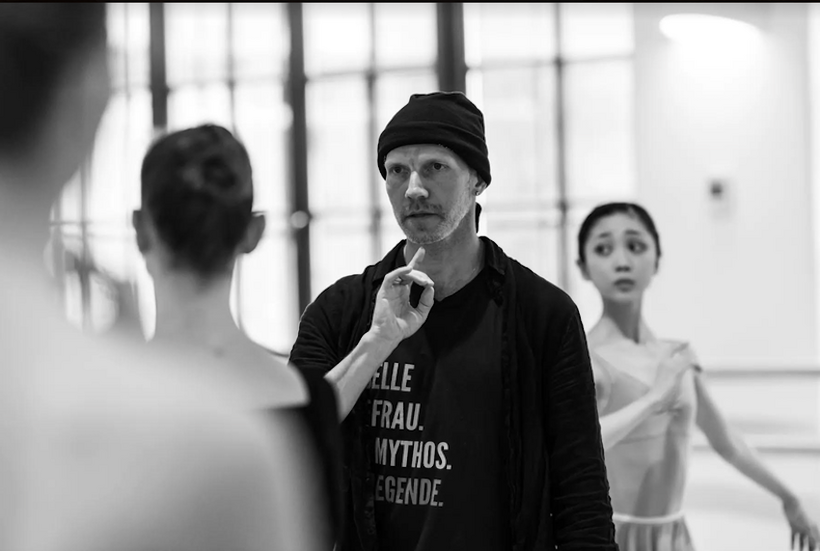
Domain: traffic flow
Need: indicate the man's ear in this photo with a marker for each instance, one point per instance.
(254, 234)
(479, 185)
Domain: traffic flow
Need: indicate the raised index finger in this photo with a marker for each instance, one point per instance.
(418, 257)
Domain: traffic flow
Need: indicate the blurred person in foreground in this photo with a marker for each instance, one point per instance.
(104, 446)
(468, 400)
(196, 221)
(651, 394)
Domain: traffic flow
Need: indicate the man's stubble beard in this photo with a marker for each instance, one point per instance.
(443, 229)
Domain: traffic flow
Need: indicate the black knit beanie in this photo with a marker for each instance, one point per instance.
(441, 118)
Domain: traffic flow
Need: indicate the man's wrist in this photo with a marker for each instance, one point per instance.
(379, 342)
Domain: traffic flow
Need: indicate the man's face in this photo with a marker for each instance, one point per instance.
(431, 190)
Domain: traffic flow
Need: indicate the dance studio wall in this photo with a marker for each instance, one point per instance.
(738, 274)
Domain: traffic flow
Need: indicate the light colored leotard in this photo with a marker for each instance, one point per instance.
(647, 469)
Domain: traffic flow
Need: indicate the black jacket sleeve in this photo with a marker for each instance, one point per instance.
(582, 512)
(317, 342)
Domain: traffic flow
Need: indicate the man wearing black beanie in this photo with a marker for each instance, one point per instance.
(463, 378)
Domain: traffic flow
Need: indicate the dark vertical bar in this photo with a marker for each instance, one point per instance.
(300, 211)
(159, 81)
(561, 161)
(373, 131)
(452, 69)
(230, 72)
(84, 271)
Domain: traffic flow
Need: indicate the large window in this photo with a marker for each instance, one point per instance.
(308, 88)
(91, 221)
(227, 64)
(555, 84)
(220, 63)
(362, 62)
(597, 47)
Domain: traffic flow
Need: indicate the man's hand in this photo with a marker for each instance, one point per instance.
(394, 318)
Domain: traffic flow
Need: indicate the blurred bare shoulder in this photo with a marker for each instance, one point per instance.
(113, 447)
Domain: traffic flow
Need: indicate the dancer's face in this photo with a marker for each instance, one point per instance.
(621, 258)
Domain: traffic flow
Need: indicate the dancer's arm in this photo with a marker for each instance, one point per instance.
(350, 376)
(731, 447)
(618, 425)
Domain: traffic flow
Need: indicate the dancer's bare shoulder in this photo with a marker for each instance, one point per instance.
(114, 454)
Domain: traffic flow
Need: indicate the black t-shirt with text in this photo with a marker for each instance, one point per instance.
(435, 419)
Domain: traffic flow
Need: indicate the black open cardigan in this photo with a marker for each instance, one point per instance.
(556, 482)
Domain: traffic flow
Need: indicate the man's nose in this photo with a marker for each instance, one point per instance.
(415, 188)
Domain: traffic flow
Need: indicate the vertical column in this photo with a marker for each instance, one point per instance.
(230, 71)
(561, 157)
(159, 81)
(299, 207)
(452, 69)
(374, 190)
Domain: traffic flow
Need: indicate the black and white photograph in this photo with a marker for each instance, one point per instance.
(409, 276)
